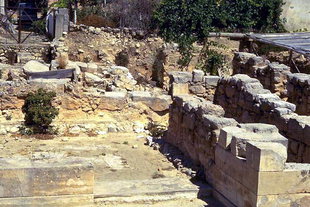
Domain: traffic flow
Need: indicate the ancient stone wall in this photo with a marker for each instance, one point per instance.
(194, 125)
(298, 92)
(245, 99)
(273, 76)
(293, 87)
(245, 163)
(194, 83)
(24, 53)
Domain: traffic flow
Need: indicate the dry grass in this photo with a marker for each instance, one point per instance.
(63, 60)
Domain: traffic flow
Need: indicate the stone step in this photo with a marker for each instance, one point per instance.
(49, 201)
(139, 191)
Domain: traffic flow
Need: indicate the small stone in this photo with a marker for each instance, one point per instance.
(65, 139)
(80, 51)
(134, 146)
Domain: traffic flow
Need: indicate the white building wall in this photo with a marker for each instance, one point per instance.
(297, 14)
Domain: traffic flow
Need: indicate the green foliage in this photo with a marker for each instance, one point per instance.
(39, 26)
(210, 60)
(61, 3)
(189, 21)
(39, 112)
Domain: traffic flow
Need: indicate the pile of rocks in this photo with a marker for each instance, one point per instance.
(133, 32)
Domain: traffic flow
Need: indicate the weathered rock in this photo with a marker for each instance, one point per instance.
(156, 103)
(179, 89)
(180, 77)
(113, 101)
(211, 81)
(198, 76)
(31, 179)
(35, 66)
(92, 79)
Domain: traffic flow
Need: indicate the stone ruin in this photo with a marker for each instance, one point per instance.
(253, 145)
(249, 132)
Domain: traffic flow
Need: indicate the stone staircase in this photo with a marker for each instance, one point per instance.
(151, 190)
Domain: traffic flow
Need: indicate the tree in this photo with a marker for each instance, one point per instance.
(189, 21)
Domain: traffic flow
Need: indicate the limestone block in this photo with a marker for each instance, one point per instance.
(118, 70)
(278, 67)
(49, 201)
(180, 77)
(286, 182)
(284, 200)
(198, 76)
(82, 65)
(35, 66)
(91, 68)
(197, 89)
(296, 128)
(211, 81)
(226, 135)
(180, 89)
(264, 156)
(259, 128)
(92, 79)
(155, 102)
(235, 192)
(52, 179)
(236, 168)
(113, 101)
(256, 60)
(214, 122)
(57, 85)
(282, 104)
(243, 56)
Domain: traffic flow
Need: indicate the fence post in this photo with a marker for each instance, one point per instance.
(19, 26)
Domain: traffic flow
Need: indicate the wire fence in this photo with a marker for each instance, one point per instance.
(19, 24)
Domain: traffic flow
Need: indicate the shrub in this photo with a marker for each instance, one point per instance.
(39, 111)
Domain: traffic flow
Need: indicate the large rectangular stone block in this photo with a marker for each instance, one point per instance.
(46, 180)
(49, 201)
(294, 179)
(236, 168)
(266, 156)
(226, 135)
(113, 101)
(179, 89)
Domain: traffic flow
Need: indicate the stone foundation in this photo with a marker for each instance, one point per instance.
(245, 163)
(24, 53)
(246, 100)
(195, 83)
(293, 87)
(28, 183)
